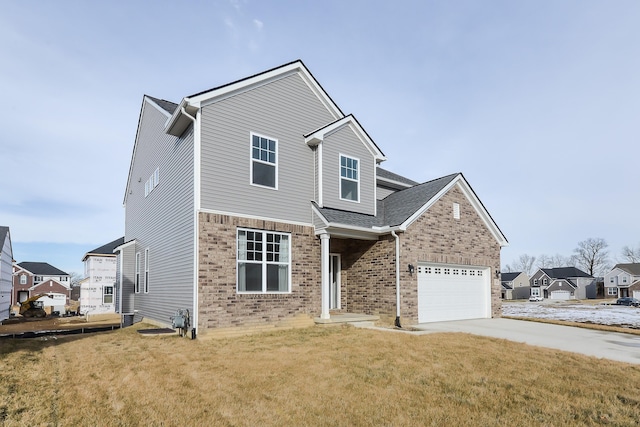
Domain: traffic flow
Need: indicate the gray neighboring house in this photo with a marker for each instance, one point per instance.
(563, 283)
(515, 285)
(6, 272)
(259, 203)
(623, 281)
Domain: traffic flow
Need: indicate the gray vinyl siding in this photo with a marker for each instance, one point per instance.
(127, 299)
(382, 192)
(345, 142)
(317, 222)
(163, 221)
(6, 278)
(284, 110)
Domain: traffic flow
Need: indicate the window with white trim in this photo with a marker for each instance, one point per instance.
(152, 182)
(137, 274)
(612, 291)
(349, 178)
(146, 270)
(456, 211)
(264, 165)
(107, 295)
(263, 261)
(23, 279)
(535, 292)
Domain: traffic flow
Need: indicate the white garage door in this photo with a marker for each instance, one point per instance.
(636, 294)
(564, 295)
(452, 292)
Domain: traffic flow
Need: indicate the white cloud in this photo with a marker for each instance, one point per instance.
(258, 24)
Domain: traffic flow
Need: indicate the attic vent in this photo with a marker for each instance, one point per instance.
(456, 211)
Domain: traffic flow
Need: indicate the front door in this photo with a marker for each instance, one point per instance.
(334, 277)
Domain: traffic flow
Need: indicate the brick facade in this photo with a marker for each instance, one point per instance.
(437, 237)
(221, 306)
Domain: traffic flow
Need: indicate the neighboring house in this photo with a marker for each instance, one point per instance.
(33, 278)
(515, 285)
(97, 289)
(6, 272)
(261, 203)
(623, 281)
(562, 283)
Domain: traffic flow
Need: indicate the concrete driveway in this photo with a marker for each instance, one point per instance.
(607, 345)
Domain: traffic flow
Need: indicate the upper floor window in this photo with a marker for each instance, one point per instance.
(152, 182)
(535, 282)
(38, 279)
(263, 261)
(146, 270)
(349, 178)
(107, 297)
(264, 165)
(23, 279)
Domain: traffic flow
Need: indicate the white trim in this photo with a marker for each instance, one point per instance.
(136, 274)
(340, 177)
(146, 271)
(320, 177)
(392, 182)
(264, 263)
(251, 160)
(162, 110)
(338, 279)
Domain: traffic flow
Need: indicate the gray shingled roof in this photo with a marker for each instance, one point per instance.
(3, 234)
(168, 106)
(42, 269)
(631, 268)
(564, 272)
(508, 277)
(383, 173)
(394, 209)
(105, 249)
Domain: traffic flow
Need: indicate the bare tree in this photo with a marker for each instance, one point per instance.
(592, 255)
(630, 254)
(524, 263)
(75, 278)
(544, 261)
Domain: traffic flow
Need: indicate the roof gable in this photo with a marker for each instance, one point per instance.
(564, 272)
(631, 268)
(510, 276)
(179, 121)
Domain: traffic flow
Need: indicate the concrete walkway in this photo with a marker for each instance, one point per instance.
(607, 345)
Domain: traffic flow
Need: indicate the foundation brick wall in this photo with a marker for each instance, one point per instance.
(221, 306)
(437, 237)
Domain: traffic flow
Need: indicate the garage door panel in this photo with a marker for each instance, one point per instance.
(447, 292)
(636, 294)
(561, 295)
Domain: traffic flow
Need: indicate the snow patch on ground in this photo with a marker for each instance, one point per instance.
(575, 312)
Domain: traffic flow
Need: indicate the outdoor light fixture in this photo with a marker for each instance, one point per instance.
(411, 269)
(497, 274)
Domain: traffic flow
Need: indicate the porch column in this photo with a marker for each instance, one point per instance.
(324, 260)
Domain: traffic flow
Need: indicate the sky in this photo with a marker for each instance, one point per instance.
(536, 102)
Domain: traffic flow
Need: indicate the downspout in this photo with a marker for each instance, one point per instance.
(393, 233)
(196, 207)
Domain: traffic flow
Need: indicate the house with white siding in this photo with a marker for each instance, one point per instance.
(6, 272)
(259, 203)
(98, 287)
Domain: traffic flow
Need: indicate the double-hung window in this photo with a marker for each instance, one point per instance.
(146, 270)
(107, 296)
(264, 165)
(349, 178)
(23, 279)
(263, 261)
(137, 273)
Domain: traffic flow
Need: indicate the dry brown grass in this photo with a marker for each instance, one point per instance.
(339, 376)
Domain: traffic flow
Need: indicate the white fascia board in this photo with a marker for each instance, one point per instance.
(124, 245)
(463, 185)
(322, 218)
(393, 183)
(318, 136)
(162, 110)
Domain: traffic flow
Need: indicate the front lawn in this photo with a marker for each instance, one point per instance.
(340, 376)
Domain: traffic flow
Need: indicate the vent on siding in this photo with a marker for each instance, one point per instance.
(456, 211)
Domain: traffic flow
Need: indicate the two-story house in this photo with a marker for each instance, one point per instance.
(33, 278)
(98, 287)
(6, 272)
(562, 283)
(260, 202)
(515, 285)
(623, 281)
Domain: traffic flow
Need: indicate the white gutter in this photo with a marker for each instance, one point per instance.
(393, 233)
(196, 208)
